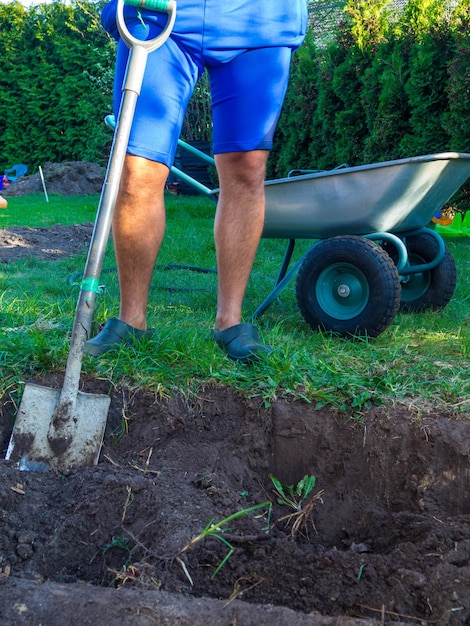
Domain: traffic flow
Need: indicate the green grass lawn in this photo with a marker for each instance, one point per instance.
(33, 210)
(421, 360)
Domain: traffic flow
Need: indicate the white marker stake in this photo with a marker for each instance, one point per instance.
(43, 183)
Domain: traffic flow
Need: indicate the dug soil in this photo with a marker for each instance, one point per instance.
(383, 537)
(49, 243)
(387, 538)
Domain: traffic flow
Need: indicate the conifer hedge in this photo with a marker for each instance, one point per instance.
(386, 84)
(55, 84)
(373, 81)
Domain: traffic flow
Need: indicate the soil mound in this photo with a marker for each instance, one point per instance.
(68, 178)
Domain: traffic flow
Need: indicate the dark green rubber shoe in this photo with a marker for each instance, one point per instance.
(113, 334)
(241, 343)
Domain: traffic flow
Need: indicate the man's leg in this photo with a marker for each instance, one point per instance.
(138, 229)
(237, 229)
(247, 95)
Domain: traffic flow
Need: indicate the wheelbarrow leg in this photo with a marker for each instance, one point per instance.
(286, 260)
(278, 289)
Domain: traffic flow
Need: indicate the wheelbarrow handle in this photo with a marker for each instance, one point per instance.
(163, 6)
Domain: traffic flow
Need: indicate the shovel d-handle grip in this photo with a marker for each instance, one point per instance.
(152, 5)
(162, 6)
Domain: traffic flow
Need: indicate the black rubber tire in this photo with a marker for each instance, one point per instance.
(430, 290)
(348, 285)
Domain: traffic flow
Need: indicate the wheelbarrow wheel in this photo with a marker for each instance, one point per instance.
(348, 285)
(430, 290)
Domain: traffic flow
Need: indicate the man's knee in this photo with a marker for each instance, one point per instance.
(245, 168)
(142, 176)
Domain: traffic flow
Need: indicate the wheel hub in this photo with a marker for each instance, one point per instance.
(342, 291)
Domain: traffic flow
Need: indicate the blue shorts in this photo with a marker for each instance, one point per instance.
(246, 50)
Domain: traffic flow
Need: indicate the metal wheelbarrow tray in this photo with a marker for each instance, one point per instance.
(346, 283)
(394, 196)
(373, 253)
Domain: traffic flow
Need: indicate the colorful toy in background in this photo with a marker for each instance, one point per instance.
(442, 219)
(459, 226)
(10, 176)
(13, 173)
(3, 183)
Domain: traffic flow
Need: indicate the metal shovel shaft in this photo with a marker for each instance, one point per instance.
(61, 423)
(64, 428)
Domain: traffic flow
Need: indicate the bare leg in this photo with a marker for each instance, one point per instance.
(138, 229)
(237, 229)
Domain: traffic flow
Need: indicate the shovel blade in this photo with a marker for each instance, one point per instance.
(29, 446)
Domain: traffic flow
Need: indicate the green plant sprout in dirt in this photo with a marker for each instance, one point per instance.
(120, 542)
(216, 530)
(299, 498)
(128, 572)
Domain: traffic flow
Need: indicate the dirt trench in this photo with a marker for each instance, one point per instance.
(387, 539)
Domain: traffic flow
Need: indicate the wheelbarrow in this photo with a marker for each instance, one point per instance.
(373, 253)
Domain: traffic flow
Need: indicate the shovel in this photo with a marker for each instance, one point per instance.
(64, 429)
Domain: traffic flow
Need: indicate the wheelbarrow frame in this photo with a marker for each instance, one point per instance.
(389, 203)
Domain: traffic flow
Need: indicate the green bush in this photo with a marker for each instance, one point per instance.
(55, 84)
(370, 83)
(385, 85)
